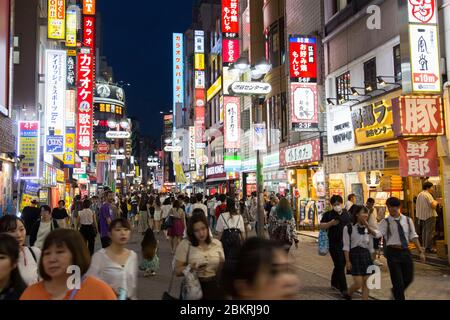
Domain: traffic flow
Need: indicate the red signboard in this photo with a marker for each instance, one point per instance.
(303, 58)
(89, 7)
(418, 158)
(85, 93)
(89, 32)
(230, 49)
(103, 148)
(230, 16)
(304, 152)
(421, 116)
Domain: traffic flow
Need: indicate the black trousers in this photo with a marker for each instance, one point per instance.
(211, 289)
(88, 233)
(401, 269)
(338, 278)
(106, 242)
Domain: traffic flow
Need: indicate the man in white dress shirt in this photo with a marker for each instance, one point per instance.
(426, 213)
(398, 230)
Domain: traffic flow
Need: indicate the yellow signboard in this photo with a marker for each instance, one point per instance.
(199, 61)
(57, 19)
(373, 122)
(69, 147)
(60, 176)
(214, 89)
(100, 157)
(71, 29)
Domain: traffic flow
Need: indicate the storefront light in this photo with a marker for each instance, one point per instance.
(124, 124)
(112, 124)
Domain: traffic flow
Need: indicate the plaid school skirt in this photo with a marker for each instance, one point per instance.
(361, 260)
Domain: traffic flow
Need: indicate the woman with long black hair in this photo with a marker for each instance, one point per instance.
(11, 283)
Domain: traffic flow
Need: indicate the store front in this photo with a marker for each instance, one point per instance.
(306, 184)
(218, 181)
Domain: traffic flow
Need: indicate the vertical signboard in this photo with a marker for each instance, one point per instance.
(418, 158)
(230, 18)
(29, 136)
(178, 69)
(304, 106)
(230, 48)
(192, 162)
(200, 98)
(71, 28)
(55, 101)
(89, 31)
(4, 56)
(232, 122)
(303, 61)
(85, 94)
(89, 7)
(71, 69)
(56, 19)
(69, 148)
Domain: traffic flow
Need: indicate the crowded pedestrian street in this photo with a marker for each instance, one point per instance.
(196, 155)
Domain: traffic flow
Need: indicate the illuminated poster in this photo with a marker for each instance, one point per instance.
(232, 122)
(303, 59)
(89, 7)
(56, 19)
(69, 148)
(178, 69)
(304, 106)
(230, 17)
(418, 158)
(89, 31)
(71, 28)
(29, 147)
(85, 94)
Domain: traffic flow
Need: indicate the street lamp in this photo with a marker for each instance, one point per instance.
(112, 124)
(124, 124)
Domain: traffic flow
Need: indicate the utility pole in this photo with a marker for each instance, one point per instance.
(259, 174)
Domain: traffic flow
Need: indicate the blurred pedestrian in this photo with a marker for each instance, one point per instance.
(60, 215)
(151, 212)
(261, 272)
(158, 215)
(231, 230)
(28, 256)
(358, 247)
(123, 207)
(31, 214)
(203, 254)
(177, 225)
(426, 207)
(42, 227)
(106, 215)
(117, 265)
(373, 223)
(143, 213)
(88, 225)
(282, 226)
(11, 283)
(63, 249)
(149, 250)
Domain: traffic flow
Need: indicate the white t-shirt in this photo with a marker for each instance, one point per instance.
(235, 221)
(117, 276)
(28, 267)
(44, 230)
(86, 217)
(200, 206)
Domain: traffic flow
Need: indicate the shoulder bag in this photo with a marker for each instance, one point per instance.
(191, 288)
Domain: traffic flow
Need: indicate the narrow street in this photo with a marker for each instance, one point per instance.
(431, 282)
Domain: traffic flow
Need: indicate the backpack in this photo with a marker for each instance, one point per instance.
(280, 234)
(324, 245)
(231, 239)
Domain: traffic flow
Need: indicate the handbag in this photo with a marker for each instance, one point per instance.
(323, 243)
(168, 223)
(191, 288)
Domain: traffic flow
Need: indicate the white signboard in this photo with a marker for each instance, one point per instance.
(118, 156)
(232, 122)
(340, 132)
(250, 88)
(173, 148)
(365, 161)
(300, 153)
(422, 11)
(81, 170)
(192, 142)
(259, 136)
(118, 135)
(200, 79)
(425, 69)
(55, 87)
(199, 39)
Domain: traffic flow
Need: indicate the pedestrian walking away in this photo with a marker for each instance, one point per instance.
(88, 225)
(334, 222)
(143, 214)
(358, 249)
(426, 207)
(397, 231)
(177, 226)
(64, 248)
(149, 250)
(117, 265)
(282, 226)
(105, 219)
(29, 257)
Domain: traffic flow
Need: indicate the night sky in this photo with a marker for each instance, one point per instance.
(137, 42)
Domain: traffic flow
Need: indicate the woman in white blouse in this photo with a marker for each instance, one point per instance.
(87, 222)
(358, 248)
(116, 265)
(29, 256)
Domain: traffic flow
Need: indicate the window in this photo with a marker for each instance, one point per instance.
(245, 120)
(343, 86)
(275, 46)
(339, 5)
(370, 75)
(284, 118)
(397, 64)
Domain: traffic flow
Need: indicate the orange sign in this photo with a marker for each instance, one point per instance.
(89, 7)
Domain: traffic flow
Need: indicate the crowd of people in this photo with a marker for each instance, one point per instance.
(211, 243)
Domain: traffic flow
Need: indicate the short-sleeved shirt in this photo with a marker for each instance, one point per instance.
(424, 209)
(335, 233)
(58, 213)
(212, 256)
(235, 221)
(91, 289)
(106, 212)
(391, 234)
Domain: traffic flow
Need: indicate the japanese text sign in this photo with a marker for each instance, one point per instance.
(419, 116)
(85, 109)
(340, 133)
(199, 61)
(418, 158)
(368, 160)
(422, 11)
(69, 148)
(373, 122)
(230, 49)
(304, 106)
(425, 67)
(230, 17)
(71, 71)
(56, 19)
(303, 59)
(178, 81)
(71, 28)
(232, 122)
(199, 41)
(304, 152)
(89, 31)
(89, 7)
(55, 98)
(29, 147)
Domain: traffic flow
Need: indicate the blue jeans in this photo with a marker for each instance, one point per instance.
(212, 222)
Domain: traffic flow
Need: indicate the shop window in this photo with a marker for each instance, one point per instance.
(370, 75)
(343, 86)
(397, 64)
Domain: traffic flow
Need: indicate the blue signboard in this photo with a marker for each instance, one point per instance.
(54, 144)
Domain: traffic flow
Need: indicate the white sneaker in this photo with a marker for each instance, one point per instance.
(378, 263)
